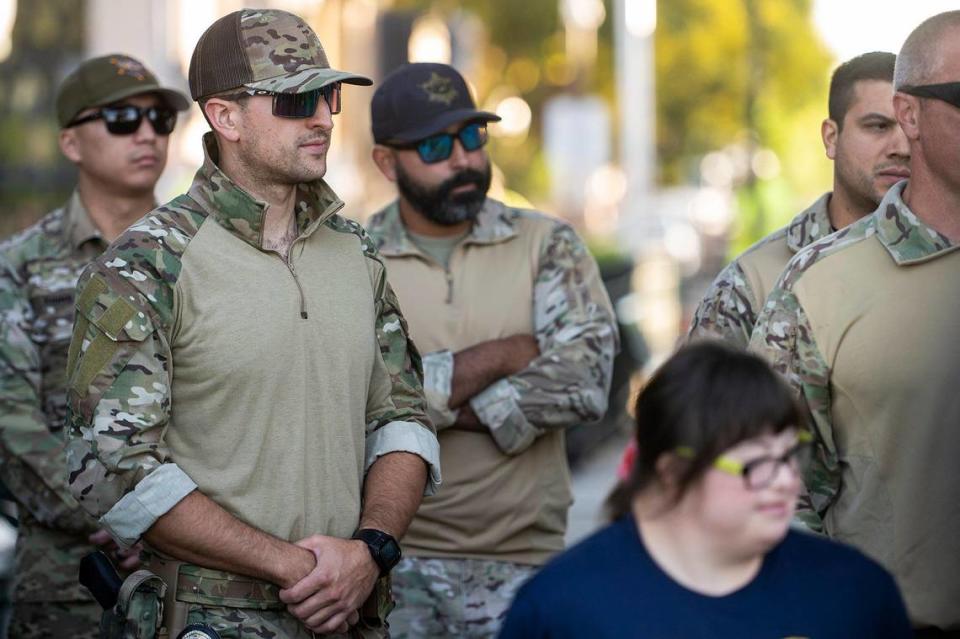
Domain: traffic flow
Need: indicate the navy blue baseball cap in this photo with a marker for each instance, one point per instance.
(420, 99)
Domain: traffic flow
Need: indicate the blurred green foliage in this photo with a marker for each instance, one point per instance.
(34, 177)
(728, 72)
(752, 73)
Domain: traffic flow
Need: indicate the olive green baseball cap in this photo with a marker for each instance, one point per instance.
(108, 79)
(263, 49)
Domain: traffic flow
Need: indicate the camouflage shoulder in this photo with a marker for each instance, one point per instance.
(41, 239)
(342, 224)
(826, 247)
(385, 225)
(144, 263)
(516, 214)
(728, 309)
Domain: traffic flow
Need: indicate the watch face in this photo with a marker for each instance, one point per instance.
(390, 552)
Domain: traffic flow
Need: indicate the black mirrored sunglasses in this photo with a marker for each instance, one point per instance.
(948, 92)
(125, 119)
(303, 105)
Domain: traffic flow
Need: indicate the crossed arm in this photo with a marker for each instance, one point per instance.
(519, 387)
(480, 366)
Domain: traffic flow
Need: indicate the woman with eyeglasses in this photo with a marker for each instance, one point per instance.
(701, 544)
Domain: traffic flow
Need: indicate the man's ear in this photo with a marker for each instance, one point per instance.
(386, 160)
(224, 117)
(829, 131)
(907, 109)
(70, 146)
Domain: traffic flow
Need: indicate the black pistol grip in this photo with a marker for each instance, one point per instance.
(99, 576)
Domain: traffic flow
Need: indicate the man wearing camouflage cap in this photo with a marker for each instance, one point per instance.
(115, 121)
(243, 395)
(864, 324)
(520, 337)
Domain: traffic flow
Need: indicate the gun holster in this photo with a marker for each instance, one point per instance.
(138, 612)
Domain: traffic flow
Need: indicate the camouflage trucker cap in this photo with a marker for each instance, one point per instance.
(262, 49)
(108, 79)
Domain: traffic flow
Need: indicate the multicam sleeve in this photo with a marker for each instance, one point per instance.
(728, 310)
(31, 456)
(784, 337)
(119, 403)
(437, 387)
(576, 330)
(396, 408)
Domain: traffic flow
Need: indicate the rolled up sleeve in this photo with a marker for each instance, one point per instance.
(406, 437)
(437, 387)
(397, 419)
(150, 499)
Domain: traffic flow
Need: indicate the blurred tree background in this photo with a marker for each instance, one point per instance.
(745, 77)
(741, 83)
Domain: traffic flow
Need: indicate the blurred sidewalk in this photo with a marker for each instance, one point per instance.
(593, 478)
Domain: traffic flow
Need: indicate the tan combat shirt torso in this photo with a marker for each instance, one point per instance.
(505, 495)
(206, 362)
(865, 325)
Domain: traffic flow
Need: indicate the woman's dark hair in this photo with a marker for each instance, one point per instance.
(708, 397)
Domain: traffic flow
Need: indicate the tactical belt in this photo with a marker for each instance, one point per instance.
(190, 583)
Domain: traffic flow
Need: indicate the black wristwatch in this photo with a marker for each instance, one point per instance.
(383, 548)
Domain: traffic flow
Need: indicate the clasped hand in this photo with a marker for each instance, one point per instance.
(327, 600)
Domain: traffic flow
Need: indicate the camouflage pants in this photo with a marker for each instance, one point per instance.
(248, 623)
(55, 620)
(453, 598)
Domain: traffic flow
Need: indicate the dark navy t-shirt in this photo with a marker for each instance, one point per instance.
(608, 586)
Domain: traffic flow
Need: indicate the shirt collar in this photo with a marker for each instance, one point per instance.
(241, 213)
(79, 228)
(903, 234)
(810, 225)
(493, 225)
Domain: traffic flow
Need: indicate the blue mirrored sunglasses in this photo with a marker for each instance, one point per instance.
(439, 147)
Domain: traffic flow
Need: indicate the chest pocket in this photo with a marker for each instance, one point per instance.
(106, 334)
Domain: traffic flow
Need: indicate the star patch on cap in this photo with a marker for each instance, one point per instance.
(440, 89)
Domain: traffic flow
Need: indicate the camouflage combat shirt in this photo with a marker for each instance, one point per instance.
(864, 324)
(730, 306)
(505, 495)
(39, 268)
(201, 361)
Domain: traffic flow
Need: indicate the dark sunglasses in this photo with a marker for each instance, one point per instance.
(439, 147)
(303, 105)
(126, 118)
(949, 92)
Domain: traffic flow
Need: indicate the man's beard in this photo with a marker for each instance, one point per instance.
(438, 204)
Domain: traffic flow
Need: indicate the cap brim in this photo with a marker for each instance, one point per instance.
(308, 80)
(173, 97)
(441, 122)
